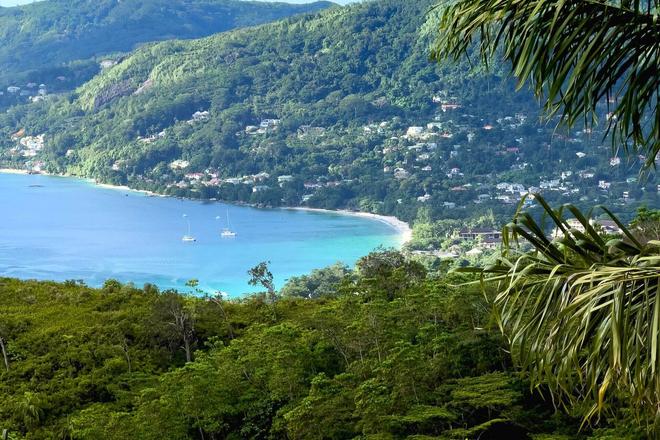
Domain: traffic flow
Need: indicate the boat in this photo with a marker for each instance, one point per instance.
(227, 232)
(188, 237)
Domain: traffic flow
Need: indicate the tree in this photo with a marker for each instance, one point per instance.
(574, 54)
(646, 225)
(260, 274)
(179, 318)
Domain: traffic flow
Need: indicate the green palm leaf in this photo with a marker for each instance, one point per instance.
(575, 54)
(582, 315)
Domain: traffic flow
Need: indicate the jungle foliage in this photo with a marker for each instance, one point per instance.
(389, 353)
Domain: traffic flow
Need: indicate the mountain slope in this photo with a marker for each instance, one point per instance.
(54, 32)
(338, 109)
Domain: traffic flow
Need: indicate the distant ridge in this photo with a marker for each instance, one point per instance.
(50, 33)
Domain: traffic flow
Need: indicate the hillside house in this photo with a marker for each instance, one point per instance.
(482, 234)
(179, 164)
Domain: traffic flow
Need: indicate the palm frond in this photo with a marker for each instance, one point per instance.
(575, 54)
(582, 314)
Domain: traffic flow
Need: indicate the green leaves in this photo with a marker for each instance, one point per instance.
(576, 54)
(582, 315)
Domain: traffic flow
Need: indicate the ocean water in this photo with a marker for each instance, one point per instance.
(54, 228)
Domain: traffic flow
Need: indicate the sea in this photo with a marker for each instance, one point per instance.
(61, 228)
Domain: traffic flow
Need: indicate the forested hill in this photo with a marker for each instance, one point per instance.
(337, 109)
(42, 36)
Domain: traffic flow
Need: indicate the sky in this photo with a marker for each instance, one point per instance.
(14, 2)
(22, 2)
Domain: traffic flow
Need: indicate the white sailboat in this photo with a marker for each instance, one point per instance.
(227, 232)
(188, 237)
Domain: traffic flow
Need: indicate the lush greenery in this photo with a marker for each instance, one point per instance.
(388, 352)
(345, 85)
(59, 43)
(570, 63)
(580, 310)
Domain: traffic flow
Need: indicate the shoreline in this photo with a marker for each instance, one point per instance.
(403, 229)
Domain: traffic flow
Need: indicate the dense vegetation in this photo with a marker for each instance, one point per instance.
(67, 38)
(389, 351)
(344, 85)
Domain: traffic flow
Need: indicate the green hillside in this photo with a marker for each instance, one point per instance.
(40, 40)
(386, 353)
(341, 109)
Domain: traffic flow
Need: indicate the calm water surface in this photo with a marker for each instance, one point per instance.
(59, 228)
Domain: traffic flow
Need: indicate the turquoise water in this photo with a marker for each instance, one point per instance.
(60, 229)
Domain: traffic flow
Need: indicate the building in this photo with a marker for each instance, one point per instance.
(480, 233)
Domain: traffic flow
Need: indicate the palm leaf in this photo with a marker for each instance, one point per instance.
(582, 315)
(575, 54)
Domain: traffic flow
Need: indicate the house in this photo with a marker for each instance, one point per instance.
(199, 116)
(482, 234)
(602, 184)
(233, 180)
(13, 89)
(400, 173)
(425, 198)
(448, 106)
(269, 123)
(449, 205)
(194, 176)
(179, 164)
(606, 226)
(549, 184)
(489, 243)
(413, 132)
(615, 161)
(261, 176)
(609, 226)
(260, 188)
(286, 178)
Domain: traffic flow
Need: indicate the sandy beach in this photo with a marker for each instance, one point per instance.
(404, 230)
(12, 171)
(127, 188)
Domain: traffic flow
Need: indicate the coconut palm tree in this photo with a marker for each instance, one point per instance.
(574, 54)
(581, 312)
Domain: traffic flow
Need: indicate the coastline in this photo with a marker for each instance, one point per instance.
(13, 171)
(403, 229)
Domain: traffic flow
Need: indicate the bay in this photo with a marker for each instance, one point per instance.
(55, 228)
